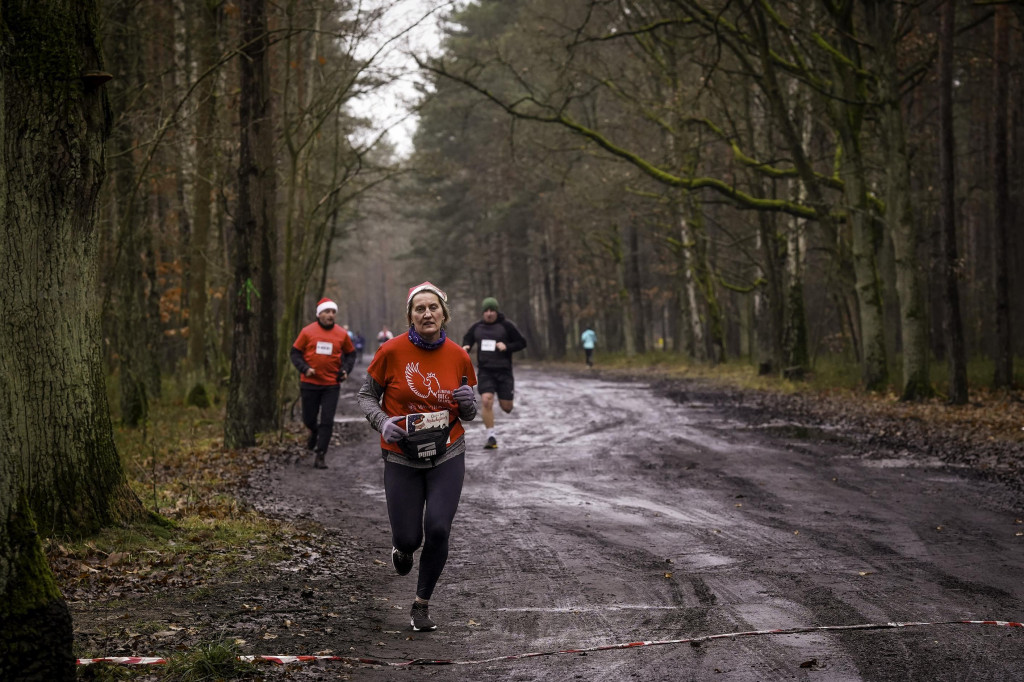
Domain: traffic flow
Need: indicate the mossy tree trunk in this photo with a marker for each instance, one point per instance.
(901, 218)
(36, 634)
(59, 469)
(847, 110)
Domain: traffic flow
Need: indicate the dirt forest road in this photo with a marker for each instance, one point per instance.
(613, 514)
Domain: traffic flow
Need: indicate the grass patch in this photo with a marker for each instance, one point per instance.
(120, 562)
(104, 672)
(198, 532)
(209, 662)
(829, 373)
(737, 373)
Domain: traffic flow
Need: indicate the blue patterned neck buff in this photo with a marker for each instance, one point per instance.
(418, 341)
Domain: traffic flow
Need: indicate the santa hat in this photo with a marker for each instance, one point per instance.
(325, 304)
(426, 286)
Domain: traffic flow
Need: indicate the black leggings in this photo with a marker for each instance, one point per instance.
(422, 503)
(318, 407)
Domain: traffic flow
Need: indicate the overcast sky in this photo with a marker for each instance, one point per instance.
(409, 26)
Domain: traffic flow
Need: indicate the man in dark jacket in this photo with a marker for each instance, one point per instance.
(497, 338)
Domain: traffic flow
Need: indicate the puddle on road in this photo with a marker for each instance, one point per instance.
(581, 417)
(600, 608)
(901, 463)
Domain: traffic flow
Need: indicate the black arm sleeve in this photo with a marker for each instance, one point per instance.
(515, 340)
(348, 361)
(296, 357)
(470, 338)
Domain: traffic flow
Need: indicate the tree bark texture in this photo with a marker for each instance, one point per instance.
(794, 343)
(1003, 351)
(36, 635)
(626, 309)
(55, 417)
(202, 206)
(59, 470)
(634, 284)
(847, 109)
(131, 280)
(900, 216)
(953, 323)
(553, 297)
(794, 335)
(695, 323)
(251, 404)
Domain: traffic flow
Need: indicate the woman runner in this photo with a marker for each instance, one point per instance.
(418, 390)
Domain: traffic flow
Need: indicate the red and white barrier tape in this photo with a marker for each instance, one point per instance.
(140, 660)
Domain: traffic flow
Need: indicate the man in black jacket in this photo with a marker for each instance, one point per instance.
(497, 338)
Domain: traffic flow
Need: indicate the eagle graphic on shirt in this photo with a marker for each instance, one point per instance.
(424, 386)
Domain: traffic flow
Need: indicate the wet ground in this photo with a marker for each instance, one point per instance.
(616, 512)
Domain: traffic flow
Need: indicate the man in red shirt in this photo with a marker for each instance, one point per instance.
(324, 355)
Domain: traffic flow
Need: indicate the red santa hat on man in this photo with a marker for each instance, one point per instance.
(325, 304)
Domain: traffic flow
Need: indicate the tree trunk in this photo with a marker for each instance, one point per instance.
(794, 337)
(953, 323)
(634, 285)
(553, 297)
(847, 112)
(202, 206)
(1003, 352)
(59, 469)
(768, 318)
(900, 215)
(36, 634)
(626, 311)
(251, 404)
(874, 365)
(695, 327)
(131, 278)
(768, 303)
(704, 277)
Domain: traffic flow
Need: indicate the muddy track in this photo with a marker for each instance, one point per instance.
(614, 512)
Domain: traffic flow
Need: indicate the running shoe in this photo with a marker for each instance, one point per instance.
(421, 618)
(491, 443)
(401, 561)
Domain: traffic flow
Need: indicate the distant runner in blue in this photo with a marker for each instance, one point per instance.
(589, 340)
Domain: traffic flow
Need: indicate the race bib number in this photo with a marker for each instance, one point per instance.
(488, 345)
(423, 421)
(324, 347)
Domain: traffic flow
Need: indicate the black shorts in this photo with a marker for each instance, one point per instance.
(498, 381)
